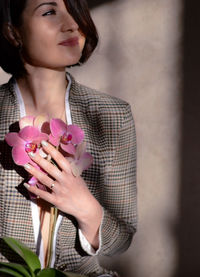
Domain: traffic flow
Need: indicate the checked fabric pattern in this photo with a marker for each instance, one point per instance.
(110, 135)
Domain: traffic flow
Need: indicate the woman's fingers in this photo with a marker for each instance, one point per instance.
(41, 176)
(41, 193)
(57, 156)
(47, 166)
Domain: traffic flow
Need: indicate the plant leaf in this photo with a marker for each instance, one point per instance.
(50, 272)
(25, 253)
(70, 274)
(10, 272)
(17, 267)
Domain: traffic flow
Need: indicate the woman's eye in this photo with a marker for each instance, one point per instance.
(49, 13)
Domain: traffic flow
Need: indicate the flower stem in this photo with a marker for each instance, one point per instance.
(52, 225)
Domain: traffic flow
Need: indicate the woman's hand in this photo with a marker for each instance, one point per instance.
(66, 192)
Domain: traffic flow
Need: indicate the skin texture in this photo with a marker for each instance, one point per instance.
(44, 28)
(43, 91)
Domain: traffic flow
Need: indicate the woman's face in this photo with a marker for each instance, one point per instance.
(50, 36)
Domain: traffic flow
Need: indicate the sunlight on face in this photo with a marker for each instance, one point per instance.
(50, 36)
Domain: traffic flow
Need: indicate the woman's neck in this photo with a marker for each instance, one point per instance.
(43, 91)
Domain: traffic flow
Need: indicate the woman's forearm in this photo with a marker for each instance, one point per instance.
(90, 221)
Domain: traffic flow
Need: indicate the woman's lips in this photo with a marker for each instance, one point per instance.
(70, 42)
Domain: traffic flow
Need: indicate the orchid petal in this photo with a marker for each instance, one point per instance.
(19, 155)
(40, 120)
(32, 134)
(69, 148)
(85, 161)
(77, 133)
(28, 133)
(81, 161)
(26, 121)
(57, 127)
(46, 128)
(80, 150)
(33, 181)
(13, 139)
(41, 137)
(41, 186)
(78, 166)
(54, 140)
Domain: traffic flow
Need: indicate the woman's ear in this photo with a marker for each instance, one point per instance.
(11, 34)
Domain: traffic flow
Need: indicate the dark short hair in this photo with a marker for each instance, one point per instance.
(11, 12)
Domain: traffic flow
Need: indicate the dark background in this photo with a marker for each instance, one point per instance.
(188, 232)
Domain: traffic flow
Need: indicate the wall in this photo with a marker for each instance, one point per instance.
(138, 60)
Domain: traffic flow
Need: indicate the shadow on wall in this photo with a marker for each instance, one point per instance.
(117, 263)
(189, 225)
(95, 3)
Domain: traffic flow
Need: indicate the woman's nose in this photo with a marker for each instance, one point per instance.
(69, 24)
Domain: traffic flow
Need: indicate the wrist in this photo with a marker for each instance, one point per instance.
(91, 216)
(90, 222)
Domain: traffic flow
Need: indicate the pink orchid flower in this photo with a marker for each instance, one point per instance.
(81, 161)
(40, 121)
(35, 129)
(27, 140)
(34, 182)
(67, 136)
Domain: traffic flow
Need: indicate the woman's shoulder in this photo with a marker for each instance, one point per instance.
(97, 99)
(5, 89)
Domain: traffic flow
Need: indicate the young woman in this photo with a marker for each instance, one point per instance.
(97, 211)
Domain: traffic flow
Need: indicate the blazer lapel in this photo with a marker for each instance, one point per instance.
(16, 216)
(78, 105)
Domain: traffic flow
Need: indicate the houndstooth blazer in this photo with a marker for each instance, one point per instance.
(110, 136)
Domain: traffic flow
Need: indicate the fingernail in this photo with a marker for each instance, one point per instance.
(32, 154)
(27, 166)
(44, 143)
(27, 186)
(42, 154)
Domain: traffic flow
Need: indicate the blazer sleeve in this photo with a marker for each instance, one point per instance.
(119, 201)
